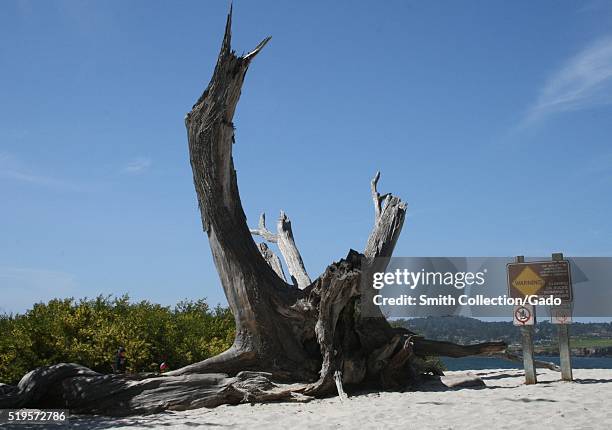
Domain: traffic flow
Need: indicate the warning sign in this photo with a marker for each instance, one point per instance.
(540, 278)
(528, 282)
(561, 314)
(524, 315)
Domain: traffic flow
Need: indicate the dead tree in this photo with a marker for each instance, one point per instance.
(293, 340)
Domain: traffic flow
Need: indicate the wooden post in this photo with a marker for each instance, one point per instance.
(528, 355)
(528, 358)
(564, 352)
(564, 341)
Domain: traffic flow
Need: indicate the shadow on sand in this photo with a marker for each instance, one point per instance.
(163, 420)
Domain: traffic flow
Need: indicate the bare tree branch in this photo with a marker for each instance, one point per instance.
(377, 198)
(272, 259)
(381, 243)
(290, 252)
(388, 223)
(507, 355)
(288, 248)
(263, 231)
(375, 195)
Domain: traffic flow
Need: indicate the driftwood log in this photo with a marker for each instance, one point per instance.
(293, 340)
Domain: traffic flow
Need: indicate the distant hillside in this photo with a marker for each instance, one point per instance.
(470, 330)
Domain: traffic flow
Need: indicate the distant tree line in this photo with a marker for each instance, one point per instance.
(89, 332)
(465, 330)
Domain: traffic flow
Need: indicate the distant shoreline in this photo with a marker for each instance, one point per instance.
(482, 363)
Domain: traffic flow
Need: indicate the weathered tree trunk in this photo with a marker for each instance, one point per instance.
(292, 341)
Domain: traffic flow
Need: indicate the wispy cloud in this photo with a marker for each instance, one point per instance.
(137, 166)
(13, 168)
(583, 82)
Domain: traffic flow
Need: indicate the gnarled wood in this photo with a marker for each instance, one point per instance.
(426, 347)
(255, 293)
(85, 391)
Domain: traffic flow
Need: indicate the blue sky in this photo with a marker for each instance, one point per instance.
(490, 118)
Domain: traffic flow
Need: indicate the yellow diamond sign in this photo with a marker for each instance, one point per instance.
(528, 282)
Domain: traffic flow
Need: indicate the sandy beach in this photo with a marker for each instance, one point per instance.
(505, 403)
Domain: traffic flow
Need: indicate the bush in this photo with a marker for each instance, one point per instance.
(90, 331)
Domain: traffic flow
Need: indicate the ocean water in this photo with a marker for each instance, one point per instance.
(478, 363)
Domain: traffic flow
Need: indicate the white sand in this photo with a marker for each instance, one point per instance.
(505, 404)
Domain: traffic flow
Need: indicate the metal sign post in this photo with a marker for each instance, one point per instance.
(563, 321)
(525, 317)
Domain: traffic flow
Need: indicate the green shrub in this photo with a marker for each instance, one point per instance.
(89, 331)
